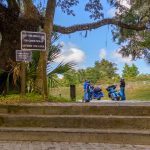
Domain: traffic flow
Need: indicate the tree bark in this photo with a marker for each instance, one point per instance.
(98, 24)
(48, 28)
(23, 78)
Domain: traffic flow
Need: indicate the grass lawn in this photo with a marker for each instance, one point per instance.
(134, 91)
(30, 98)
(142, 94)
(16, 98)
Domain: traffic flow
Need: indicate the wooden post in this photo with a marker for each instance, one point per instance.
(23, 78)
(44, 66)
(73, 92)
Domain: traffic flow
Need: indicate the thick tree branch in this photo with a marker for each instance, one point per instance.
(12, 4)
(30, 11)
(90, 26)
(13, 9)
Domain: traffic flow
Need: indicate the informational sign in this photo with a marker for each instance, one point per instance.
(23, 55)
(33, 40)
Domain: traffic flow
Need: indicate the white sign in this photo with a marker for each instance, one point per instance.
(23, 56)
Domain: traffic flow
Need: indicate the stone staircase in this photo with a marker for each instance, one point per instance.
(118, 122)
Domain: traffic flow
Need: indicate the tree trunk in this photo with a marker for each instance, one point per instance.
(48, 28)
(23, 78)
(11, 41)
(8, 46)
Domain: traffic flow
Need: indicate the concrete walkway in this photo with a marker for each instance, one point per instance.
(22, 145)
(120, 103)
(91, 103)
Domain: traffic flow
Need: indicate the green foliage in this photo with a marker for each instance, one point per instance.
(106, 68)
(103, 70)
(61, 68)
(71, 77)
(58, 99)
(16, 98)
(30, 98)
(130, 71)
(53, 53)
(133, 43)
(93, 7)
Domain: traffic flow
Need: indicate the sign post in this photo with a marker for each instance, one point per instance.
(34, 41)
(23, 56)
(23, 78)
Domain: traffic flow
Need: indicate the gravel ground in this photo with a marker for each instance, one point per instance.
(27, 145)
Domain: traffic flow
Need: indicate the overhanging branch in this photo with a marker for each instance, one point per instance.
(95, 25)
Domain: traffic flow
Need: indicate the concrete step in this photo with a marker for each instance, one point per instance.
(118, 108)
(76, 135)
(75, 121)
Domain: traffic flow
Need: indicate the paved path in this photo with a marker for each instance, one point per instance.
(116, 103)
(19, 145)
(91, 103)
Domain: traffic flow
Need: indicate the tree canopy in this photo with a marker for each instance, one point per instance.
(102, 70)
(130, 71)
(133, 43)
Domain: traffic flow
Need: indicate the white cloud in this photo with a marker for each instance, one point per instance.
(126, 3)
(119, 59)
(102, 53)
(111, 12)
(70, 53)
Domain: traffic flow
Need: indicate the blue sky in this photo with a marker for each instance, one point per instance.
(97, 45)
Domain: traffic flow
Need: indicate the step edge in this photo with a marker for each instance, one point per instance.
(73, 130)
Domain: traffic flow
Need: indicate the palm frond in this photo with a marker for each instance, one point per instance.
(54, 50)
(53, 53)
(55, 37)
(16, 73)
(52, 81)
(62, 68)
(15, 70)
